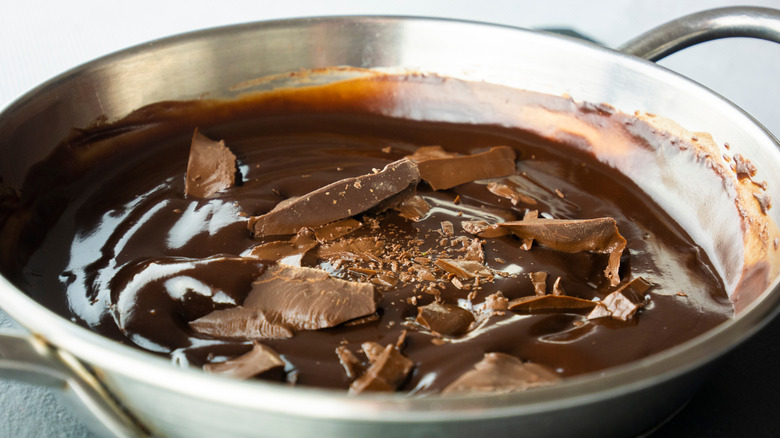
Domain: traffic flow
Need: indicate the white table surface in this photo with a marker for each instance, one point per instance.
(40, 39)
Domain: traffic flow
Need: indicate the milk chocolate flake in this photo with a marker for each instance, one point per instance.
(445, 173)
(413, 208)
(258, 360)
(339, 200)
(599, 235)
(446, 319)
(211, 167)
(500, 372)
(623, 303)
(388, 370)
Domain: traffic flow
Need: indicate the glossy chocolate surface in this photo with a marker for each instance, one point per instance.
(114, 243)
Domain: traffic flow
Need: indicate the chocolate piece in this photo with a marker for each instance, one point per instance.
(334, 230)
(339, 200)
(258, 360)
(387, 371)
(211, 167)
(351, 364)
(599, 235)
(299, 245)
(445, 173)
(474, 252)
(550, 303)
(624, 302)
(286, 299)
(484, 229)
(309, 299)
(528, 241)
(447, 229)
(743, 167)
(764, 201)
(239, 323)
(413, 208)
(362, 248)
(539, 280)
(465, 269)
(508, 189)
(446, 319)
(499, 372)
(496, 301)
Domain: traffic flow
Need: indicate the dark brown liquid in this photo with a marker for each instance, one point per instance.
(111, 201)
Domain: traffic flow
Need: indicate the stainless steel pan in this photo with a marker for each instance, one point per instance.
(127, 392)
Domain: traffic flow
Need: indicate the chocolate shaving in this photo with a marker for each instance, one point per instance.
(509, 190)
(446, 319)
(448, 172)
(413, 208)
(624, 302)
(300, 244)
(341, 199)
(499, 372)
(465, 269)
(474, 252)
(258, 360)
(599, 235)
(211, 167)
(387, 371)
(334, 230)
(447, 229)
(743, 167)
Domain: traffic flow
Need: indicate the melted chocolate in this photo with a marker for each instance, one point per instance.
(137, 260)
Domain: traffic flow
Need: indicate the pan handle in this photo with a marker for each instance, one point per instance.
(27, 358)
(753, 22)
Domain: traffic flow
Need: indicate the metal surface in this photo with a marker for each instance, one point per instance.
(762, 23)
(180, 402)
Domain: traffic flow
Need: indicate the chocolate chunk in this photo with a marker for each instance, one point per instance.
(211, 167)
(299, 245)
(447, 229)
(509, 190)
(599, 235)
(448, 172)
(388, 370)
(258, 360)
(465, 269)
(446, 319)
(351, 364)
(413, 208)
(499, 372)
(286, 299)
(372, 350)
(334, 230)
(309, 299)
(624, 302)
(339, 200)
(240, 324)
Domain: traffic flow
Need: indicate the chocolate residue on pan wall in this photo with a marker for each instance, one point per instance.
(89, 224)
